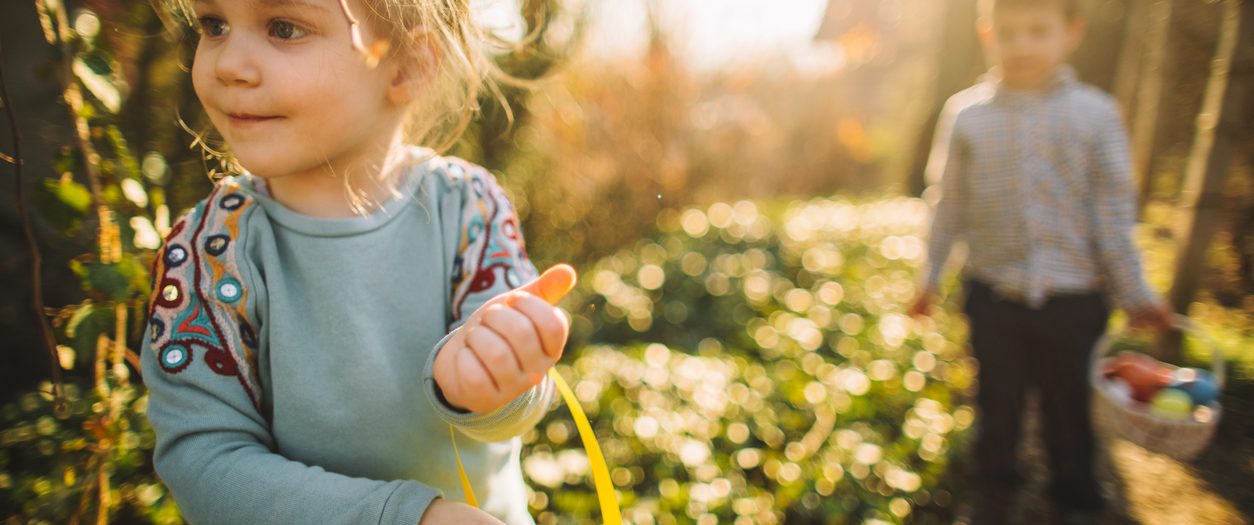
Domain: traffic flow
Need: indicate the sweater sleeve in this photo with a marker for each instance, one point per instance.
(1114, 214)
(199, 356)
(490, 258)
(947, 163)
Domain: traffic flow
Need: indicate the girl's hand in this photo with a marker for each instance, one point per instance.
(442, 511)
(507, 345)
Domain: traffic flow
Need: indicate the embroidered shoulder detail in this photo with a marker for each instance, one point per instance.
(491, 250)
(198, 306)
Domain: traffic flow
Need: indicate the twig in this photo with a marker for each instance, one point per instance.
(108, 240)
(59, 405)
(89, 485)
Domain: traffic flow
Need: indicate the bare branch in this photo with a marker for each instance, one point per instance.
(36, 259)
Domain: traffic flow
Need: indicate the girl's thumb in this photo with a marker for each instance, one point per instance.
(553, 284)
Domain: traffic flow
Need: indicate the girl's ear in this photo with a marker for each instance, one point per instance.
(410, 70)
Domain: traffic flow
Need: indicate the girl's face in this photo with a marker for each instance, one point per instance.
(282, 83)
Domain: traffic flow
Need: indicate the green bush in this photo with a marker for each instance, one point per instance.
(49, 463)
(745, 367)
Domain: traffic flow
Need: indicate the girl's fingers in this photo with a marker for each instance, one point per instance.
(493, 351)
(500, 361)
(523, 338)
(473, 380)
(553, 284)
(549, 323)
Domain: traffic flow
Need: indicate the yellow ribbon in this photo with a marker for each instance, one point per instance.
(461, 471)
(600, 472)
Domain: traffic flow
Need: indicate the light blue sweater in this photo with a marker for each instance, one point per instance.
(288, 357)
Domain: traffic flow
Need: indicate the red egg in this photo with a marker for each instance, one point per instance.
(1145, 375)
(1146, 387)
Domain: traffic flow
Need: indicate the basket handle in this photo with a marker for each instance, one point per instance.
(1184, 324)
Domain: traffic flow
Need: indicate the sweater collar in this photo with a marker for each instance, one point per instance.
(417, 164)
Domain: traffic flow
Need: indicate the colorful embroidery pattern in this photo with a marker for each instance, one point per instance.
(491, 250)
(198, 308)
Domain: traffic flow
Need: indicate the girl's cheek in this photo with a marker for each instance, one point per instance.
(201, 72)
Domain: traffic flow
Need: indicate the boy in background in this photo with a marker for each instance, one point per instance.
(1034, 177)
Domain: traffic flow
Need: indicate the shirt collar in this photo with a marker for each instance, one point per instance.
(1063, 78)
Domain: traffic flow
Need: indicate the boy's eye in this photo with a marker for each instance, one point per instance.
(284, 30)
(212, 27)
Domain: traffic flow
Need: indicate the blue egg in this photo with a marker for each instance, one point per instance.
(1199, 384)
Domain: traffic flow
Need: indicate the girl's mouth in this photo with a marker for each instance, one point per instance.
(243, 119)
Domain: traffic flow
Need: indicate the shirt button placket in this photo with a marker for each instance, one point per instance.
(1034, 167)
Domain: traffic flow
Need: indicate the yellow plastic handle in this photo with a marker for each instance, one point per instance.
(610, 514)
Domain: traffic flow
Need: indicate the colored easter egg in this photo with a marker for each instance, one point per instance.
(1116, 364)
(1144, 374)
(1171, 403)
(1118, 390)
(1124, 360)
(1199, 384)
(1145, 381)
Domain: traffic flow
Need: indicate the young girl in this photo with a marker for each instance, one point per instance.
(321, 320)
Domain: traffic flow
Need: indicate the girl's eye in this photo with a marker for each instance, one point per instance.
(213, 27)
(284, 30)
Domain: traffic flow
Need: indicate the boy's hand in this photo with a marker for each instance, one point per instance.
(1157, 317)
(507, 345)
(442, 511)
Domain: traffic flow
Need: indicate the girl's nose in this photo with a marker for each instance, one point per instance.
(235, 65)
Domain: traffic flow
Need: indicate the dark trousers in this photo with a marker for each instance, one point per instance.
(1019, 348)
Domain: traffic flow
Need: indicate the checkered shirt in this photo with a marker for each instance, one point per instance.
(1038, 186)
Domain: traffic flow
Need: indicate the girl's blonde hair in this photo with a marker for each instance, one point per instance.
(461, 69)
(464, 69)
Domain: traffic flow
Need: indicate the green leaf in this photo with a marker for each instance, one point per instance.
(82, 312)
(70, 193)
(67, 160)
(112, 195)
(78, 268)
(98, 63)
(122, 150)
(108, 279)
(87, 112)
(52, 209)
(136, 273)
(100, 85)
(89, 322)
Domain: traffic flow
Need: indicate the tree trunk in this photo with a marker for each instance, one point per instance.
(1226, 105)
(1131, 57)
(960, 61)
(1150, 97)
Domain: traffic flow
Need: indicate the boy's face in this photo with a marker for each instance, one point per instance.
(282, 83)
(1031, 43)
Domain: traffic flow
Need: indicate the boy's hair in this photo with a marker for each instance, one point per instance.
(463, 69)
(1071, 9)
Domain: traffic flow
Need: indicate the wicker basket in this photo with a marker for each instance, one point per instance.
(1182, 439)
